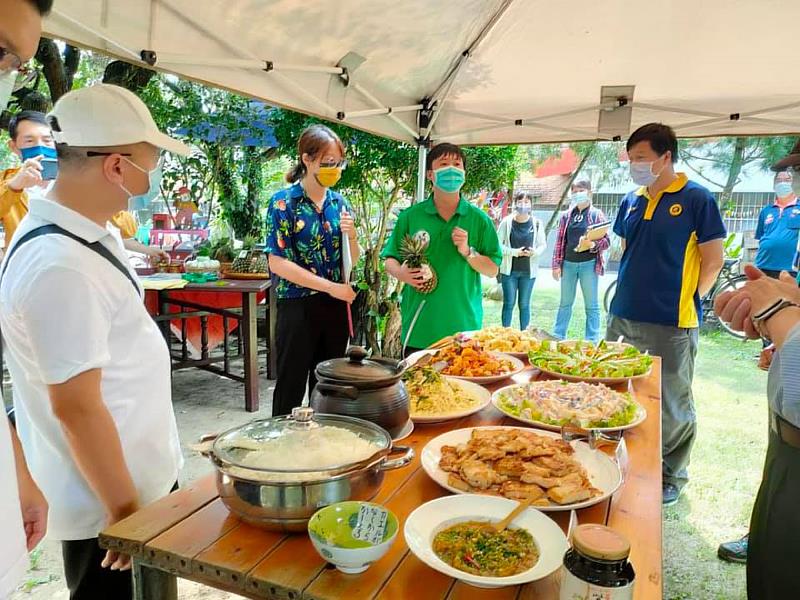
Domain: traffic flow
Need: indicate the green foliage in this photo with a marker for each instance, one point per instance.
(733, 245)
(240, 178)
(491, 168)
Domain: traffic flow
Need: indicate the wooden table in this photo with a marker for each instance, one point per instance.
(191, 534)
(247, 319)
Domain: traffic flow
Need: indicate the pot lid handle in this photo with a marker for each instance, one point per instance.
(303, 418)
(356, 354)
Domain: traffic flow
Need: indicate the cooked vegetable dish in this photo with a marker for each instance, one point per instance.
(430, 393)
(477, 548)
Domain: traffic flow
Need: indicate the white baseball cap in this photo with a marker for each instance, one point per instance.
(105, 115)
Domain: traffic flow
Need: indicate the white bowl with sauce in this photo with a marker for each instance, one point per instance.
(428, 520)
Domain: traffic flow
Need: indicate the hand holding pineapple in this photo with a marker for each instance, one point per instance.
(415, 269)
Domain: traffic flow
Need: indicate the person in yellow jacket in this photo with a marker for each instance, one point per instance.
(31, 137)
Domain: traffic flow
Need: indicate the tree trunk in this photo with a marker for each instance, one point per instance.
(131, 77)
(59, 81)
(564, 194)
(734, 170)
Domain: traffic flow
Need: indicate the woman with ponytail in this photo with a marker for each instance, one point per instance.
(307, 224)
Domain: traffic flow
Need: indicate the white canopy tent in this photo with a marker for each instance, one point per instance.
(474, 71)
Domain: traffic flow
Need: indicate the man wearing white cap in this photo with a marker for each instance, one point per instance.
(91, 370)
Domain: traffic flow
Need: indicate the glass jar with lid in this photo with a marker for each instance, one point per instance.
(597, 567)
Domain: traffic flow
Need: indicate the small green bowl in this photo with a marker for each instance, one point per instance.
(331, 532)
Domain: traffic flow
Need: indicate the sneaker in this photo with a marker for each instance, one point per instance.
(734, 552)
(669, 494)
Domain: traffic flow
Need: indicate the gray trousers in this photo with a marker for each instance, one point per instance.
(677, 348)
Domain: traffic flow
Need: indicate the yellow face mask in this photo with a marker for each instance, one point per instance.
(329, 176)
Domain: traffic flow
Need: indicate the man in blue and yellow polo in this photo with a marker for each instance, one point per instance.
(672, 235)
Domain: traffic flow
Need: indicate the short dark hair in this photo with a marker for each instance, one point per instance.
(660, 137)
(34, 116)
(43, 6)
(522, 196)
(582, 184)
(445, 149)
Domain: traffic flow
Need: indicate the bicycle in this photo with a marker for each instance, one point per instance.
(728, 279)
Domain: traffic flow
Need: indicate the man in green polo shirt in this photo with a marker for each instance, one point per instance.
(462, 245)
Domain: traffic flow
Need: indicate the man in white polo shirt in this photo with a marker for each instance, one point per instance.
(91, 370)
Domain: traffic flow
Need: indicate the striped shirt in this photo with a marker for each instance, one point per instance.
(783, 386)
(595, 216)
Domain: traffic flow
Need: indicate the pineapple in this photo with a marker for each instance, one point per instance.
(253, 262)
(412, 251)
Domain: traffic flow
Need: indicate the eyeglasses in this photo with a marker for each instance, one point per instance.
(334, 163)
(9, 61)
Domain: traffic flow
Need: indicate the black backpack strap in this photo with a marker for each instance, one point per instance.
(96, 247)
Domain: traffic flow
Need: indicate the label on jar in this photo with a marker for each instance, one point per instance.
(371, 524)
(573, 588)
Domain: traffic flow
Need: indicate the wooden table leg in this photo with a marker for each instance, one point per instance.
(249, 332)
(163, 310)
(153, 584)
(272, 356)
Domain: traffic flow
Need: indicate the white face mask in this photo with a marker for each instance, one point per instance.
(580, 199)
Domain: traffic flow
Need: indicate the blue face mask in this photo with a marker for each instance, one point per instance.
(642, 173)
(35, 151)
(143, 201)
(783, 189)
(449, 179)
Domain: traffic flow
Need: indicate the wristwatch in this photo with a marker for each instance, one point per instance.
(472, 253)
(760, 319)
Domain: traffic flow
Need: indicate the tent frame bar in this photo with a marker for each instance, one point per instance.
(378, 104)
(96, 32)
(442, 93)
(379, 111)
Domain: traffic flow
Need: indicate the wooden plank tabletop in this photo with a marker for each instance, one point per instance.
(191, 534)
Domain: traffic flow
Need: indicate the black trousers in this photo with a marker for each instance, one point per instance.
(308, 331)
(86, 579)
(773, 551)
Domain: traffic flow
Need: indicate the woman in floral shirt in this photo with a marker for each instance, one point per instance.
(307, 223)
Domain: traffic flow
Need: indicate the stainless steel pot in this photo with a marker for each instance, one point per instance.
(362, 387)
(260, 497)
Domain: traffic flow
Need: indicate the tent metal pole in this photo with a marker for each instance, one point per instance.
(234, 63)
(381, 111)
(772, 109)
(422, 152)
(364, 92)
(243, 63)
(302, 91)
(443, 91)
(794, 126)
(701, 123)
(685, 111)
(538, 125)
(135, 55)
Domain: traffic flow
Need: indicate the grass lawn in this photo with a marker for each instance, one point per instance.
(730, 398)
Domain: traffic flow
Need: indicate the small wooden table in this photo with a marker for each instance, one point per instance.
(191, 534)
(247, 319)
